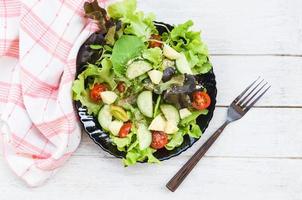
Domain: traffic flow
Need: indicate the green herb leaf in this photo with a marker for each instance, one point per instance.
(156, 108)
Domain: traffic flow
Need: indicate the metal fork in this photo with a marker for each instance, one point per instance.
(238, 108)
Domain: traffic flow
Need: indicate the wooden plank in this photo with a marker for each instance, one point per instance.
(234, 73)
(263, 132)
(238, 27)
(92, 177)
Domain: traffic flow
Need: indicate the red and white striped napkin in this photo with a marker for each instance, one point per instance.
(39, 41)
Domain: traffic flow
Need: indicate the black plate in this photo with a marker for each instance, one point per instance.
(101, 138)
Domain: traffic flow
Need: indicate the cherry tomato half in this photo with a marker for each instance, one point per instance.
(159, 139)
(201, 100)
(95, 92)
(125, 129)
(152, 43)
(121, 87)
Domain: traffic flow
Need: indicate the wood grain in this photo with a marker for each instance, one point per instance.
(236, 26)
(283, 73)
(185, 170)
(256, 158)
(92, 177)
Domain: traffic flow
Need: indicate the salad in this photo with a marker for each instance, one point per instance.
(142, 86)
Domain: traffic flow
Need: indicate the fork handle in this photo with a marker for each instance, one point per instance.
(190, 164)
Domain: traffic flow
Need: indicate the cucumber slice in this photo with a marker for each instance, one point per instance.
(183, 65)
(105, 117)
(158, 123)
(170, 113)
(137, 68)
(145, 103)
(144, 136)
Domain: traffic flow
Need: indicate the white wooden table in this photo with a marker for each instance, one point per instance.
(258, 157)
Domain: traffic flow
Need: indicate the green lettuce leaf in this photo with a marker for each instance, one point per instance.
(135, 154)
(184, 40)
(154, 55)
(100, 75)
(125, 49)
(179, 32)
(194, 130)
(122, 143)
(140, 25)
(187, 120)
(188, 124)
(92, 108)
(120, 9)
(136, 23)
(175, 141)
(202, 68)
(106, 74)
(81, 94)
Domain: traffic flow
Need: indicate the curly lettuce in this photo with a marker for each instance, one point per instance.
(135, 154)
(175, 140)
(136, 23)
(120, 9)
(81, 92)
(189, 126)
(182, 39)
(154, 56)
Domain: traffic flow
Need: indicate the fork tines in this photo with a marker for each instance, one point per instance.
(252, 94)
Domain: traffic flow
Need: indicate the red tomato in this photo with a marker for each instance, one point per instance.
(159, 139)
(121, 87)
(201, 100)
(95, 92)
(153, 44)
(125, 129)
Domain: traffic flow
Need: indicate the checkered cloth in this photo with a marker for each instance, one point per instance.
(39, 41)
